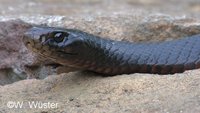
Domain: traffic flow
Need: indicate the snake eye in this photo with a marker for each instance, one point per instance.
(59, 37)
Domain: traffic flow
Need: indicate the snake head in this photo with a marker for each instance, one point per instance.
(54, 43)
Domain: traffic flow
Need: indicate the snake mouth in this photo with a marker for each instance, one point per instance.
(53, 65)
(66, 53)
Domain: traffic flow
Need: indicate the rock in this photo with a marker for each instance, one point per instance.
(12, 53)
(86, 92)
(15, 58)
(10, 42)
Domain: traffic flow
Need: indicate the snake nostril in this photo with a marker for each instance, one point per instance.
(42, 39)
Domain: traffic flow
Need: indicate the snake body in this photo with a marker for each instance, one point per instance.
(85, 51)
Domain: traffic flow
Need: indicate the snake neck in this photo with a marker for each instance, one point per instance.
(106, 56)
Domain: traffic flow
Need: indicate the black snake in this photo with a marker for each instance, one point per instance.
(85, 51)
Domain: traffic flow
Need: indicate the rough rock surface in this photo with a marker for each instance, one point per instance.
(15, 58)
(86, 91)
(12, 53)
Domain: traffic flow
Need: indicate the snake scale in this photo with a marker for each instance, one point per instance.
(78, 49)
